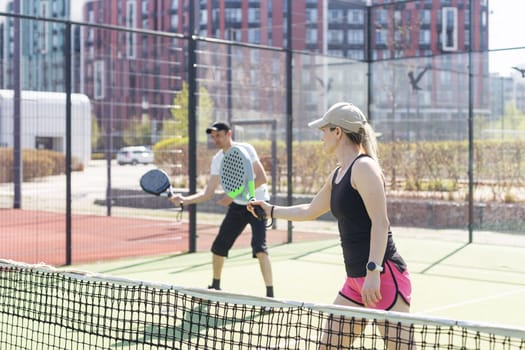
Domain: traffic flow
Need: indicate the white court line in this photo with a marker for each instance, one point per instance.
(474, 301)
(177, 238)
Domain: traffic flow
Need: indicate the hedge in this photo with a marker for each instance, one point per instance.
(35, 164)
(421, 168)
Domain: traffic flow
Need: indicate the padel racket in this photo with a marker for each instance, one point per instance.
(156, 182)
(236, 177)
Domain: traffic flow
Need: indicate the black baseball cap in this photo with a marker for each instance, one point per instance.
(218, 126)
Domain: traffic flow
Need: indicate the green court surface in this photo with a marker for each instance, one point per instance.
(479, 282)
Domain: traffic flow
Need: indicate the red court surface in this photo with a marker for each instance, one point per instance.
(39, 236)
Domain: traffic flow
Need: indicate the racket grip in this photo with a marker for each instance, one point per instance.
(261, 214)
(168, 193)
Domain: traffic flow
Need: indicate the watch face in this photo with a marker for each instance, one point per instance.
(372, 266)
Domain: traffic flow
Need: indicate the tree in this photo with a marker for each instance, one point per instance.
(178, 125)
(138, 132)
(95, 133)
(513, 118)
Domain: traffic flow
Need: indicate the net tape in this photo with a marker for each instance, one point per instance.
(47, 308)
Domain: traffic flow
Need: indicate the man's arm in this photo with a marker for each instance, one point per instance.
(259, 173)
(202, 196)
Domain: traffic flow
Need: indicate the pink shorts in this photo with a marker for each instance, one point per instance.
(393, 283)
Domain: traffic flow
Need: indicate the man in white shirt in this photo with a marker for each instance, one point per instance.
(237, 216)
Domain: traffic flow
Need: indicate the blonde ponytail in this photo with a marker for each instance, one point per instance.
(369, 141)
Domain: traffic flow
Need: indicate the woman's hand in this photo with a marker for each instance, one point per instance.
(371, 292)
(267, 207)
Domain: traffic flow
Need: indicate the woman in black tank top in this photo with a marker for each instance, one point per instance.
(377, 276)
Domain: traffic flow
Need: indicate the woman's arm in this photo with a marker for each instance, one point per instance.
(367, 179)
(319, 205)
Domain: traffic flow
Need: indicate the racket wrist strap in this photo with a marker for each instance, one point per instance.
(271, 217)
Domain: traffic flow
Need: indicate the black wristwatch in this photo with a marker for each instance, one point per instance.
(372, 266)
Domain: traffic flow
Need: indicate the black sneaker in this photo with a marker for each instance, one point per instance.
(212, 287)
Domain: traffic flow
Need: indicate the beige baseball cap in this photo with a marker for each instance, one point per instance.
(342, 114)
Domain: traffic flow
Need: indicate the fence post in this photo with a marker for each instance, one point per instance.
(192, 124)
(289, 112)
(67, 76)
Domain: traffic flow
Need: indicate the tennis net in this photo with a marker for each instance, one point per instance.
(42, 307)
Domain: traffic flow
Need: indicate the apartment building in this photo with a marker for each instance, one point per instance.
(429, 39)
(41, 56)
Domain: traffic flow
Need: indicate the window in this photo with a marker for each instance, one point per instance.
(335, 36)
(254, 35)
(381, 35)
(174, 22)
(90, 34)
(276, 73)
(335, 53)
(254, 15)
(398, 38)
(381, 16)
(232, 15)
(398, 18)
(311, 16)
(255, 99)
(44, 28)
(311, 36)
(255, 77)
(99, 82)
(335, 16)
(131, 22)
(356, 54)
(445, 78)
(424, 17)
(356, 36)
(203, 14)
(449, 29)
(255, 57)
(424, 37)
(355, 17)
(57, 42)
(43, 142)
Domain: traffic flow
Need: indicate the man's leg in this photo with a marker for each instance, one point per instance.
(231, 227)
(260, 251)
(217, 263)
(266, 271)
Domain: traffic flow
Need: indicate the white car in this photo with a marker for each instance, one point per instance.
(135, 155)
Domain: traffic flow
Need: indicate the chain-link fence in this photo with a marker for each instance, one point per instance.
(451, 131)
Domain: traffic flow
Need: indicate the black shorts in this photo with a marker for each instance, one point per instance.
(234, 223)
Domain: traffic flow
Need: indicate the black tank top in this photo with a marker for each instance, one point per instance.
(354, 224)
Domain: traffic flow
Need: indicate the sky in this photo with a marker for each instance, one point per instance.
(506, 30)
